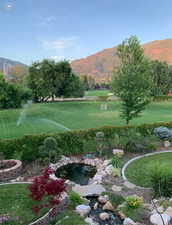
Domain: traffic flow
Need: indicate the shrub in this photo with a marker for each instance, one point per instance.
(116, 172)
(161, 180)
(50, 150)
(74, 199)
(134, 201)
(115, 199)
(47, 190)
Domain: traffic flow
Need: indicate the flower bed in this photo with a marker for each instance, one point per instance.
(12, 168)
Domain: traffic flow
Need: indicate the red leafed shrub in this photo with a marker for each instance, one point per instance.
(47, 190)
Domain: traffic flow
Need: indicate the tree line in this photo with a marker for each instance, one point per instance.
(135, 81)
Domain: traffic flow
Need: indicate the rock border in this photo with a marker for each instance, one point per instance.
(132, 160)
(45, 218)
(96, 162)
(9, 173)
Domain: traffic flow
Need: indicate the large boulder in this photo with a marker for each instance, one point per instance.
(160, 219)
(109, 169)
(128, 221)
(89, 190)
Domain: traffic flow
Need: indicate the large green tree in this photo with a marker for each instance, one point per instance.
(162, 77)
(50, 79)
(132, 81)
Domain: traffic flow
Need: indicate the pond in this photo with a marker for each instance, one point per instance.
(76, 172)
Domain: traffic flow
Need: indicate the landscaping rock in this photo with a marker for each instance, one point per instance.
(89, 220)
(104, 216)
(109, 169)
(95, 205)
(98, 178)
(118, 152)
(88, 190)
(103, 199)
(159, 208)
(156, 219)
(169, 211)
(108, 206)
(106, 162)
(167, 144)
(83, 210)
(128, 221)
(116, 188)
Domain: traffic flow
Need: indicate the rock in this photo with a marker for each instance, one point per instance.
(169, 211)
(83, 210)
(98, 178)
(108, 206)
(128, 221)
(156, 219)
(104, 216)
(106, 162)
(103, 199)
(121, 215)
(129, 185)
(95, 205)
(87, 190)
(167, 144)
(118, 152)
(116, 188)
(109, 169)
(89, 220)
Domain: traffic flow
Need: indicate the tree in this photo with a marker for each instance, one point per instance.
(50, 79)
(162, 77)
(18, 73)
(11, 95)
(132, 81)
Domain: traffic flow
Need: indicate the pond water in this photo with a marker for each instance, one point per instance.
(76, 172)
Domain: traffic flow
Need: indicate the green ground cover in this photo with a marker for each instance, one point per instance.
(15, 201)
(138, 172)
(97, 93)
(48, 117)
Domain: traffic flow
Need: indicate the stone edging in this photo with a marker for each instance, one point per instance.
(6, 174)
(139, 157)
(45, 218)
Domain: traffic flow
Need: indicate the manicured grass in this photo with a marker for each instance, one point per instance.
(47, 117)
(138, 172)
(97, 93)
(15, 201)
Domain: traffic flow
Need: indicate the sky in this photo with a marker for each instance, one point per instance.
(32, 30)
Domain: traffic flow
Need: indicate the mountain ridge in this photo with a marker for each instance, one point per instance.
(101, 64)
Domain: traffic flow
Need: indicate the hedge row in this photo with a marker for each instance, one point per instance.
(163, 98)
(71, 142)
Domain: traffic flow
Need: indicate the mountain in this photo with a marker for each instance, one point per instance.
(6, 64)
(101, 64)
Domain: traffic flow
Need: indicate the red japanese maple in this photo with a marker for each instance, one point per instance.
(42, 187)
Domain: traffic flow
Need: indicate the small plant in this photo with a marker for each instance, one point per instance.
(116, 162)
(50, 151)
(134, 202)
(100, 140)
(116, 199)
(74, 199)
(116, 172)
(46, 191)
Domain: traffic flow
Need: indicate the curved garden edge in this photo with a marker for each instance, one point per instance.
(45, 218)
(6, 174)
(135, 158)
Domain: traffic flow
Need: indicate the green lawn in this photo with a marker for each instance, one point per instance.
(49, 117)
(138, 172)
(15, 202)
(97, 93)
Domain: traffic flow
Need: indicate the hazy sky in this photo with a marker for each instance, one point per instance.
(35, 29)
